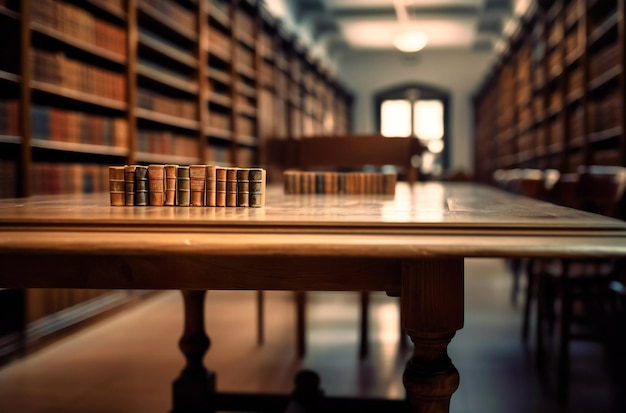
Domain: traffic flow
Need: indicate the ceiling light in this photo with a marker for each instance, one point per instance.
(410, 41)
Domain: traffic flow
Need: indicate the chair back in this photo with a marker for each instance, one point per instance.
(564, 191)
(601, 189)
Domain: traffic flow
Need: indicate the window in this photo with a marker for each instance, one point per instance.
(419, 112)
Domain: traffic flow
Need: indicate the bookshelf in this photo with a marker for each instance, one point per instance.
(557, 91)
(92, 83)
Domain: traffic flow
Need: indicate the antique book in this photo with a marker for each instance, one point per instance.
(341, 183)
(156, 184)
(389, 183)
(182, 186)
(231, 187)
(319, 183)
(220, 187)
(129, 184)
(211, 185)
(197, 176)
(243, 187)
(170, 185)
(141, 185)
(255, 178)
(116, 185)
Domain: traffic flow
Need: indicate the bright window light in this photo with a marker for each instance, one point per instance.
(428, 121)
(395, 117)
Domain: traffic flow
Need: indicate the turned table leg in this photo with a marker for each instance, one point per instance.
(194, 388)
(432, 311)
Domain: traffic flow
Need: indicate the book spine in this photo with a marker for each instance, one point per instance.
(141, 185)
(389, 183)
(220, 187)
(129, 184)
(231, 187)
(319, 183)
(116, 185)
(243, 187)
(211, 185)
(156, 178)
(341, 183)
(170, 184)
(182, 187)
(197, 176)
(256, 187)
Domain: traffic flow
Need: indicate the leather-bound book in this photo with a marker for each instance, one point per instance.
(129, 184)
(116, 185)
(389, 183)
(255, 177)
(170, 184)
(319, 183)
(243, 187)
(156, 184)
(211, 185)
(231, 187)
(197, 181)
(341, 183)
(182, 186)
(141, 185)
(220, 187)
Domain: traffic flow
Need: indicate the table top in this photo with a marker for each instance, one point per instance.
(426, 219)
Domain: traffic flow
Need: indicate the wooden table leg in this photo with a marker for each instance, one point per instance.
(194, 388)
(432, 312)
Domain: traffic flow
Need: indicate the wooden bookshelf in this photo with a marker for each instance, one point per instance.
(575, 114)
(182, 81)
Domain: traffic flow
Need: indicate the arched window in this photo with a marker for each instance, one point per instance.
(417, 111)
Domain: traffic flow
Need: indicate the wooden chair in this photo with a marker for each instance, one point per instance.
(534, 183)
(580, 287)
(337, 152)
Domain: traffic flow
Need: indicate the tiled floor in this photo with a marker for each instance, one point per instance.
(127, 362)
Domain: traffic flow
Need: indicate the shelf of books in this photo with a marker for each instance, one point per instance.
(99, 82)
(557, 91)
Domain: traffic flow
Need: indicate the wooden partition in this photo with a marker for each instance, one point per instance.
(342, 151)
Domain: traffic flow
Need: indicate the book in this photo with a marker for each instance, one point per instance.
(347, 183)
(182, 186)
(243, 187)
(220, 187)
(255, 178)
(129, 184)
(141, 185)
(211, 185)
(231, 187)
(197, 176)
(116, 185)
(170, 184)
(156, 184)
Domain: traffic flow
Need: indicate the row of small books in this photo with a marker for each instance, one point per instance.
(194, 185)
(352, 183)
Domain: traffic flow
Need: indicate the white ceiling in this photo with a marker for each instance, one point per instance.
(372, 24)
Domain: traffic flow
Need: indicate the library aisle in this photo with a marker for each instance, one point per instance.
(127, 362)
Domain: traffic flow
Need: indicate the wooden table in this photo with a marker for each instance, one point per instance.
(411, 245)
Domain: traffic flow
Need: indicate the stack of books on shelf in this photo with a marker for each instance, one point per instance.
(8, 178)
(176, 12)
(166, 142)
(168, 105)
(349, 183)
(9, 110)
(77, 127)
(52, 178)
(186, 186)
(79, 23)
(57, 69)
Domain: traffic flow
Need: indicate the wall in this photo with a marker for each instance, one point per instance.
(365, 73)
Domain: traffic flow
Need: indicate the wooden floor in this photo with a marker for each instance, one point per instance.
(127, 363)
